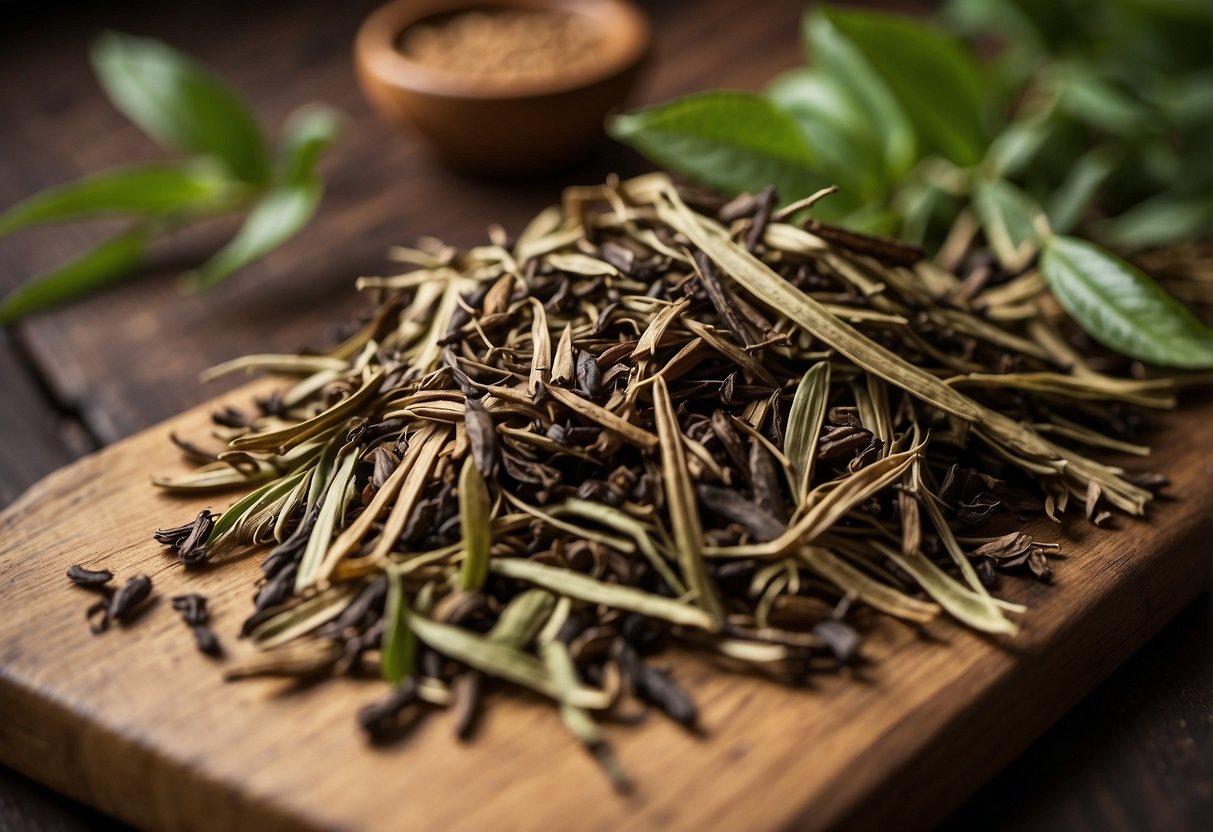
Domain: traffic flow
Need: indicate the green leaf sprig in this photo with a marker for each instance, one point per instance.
(228, 167)
(1093, 119)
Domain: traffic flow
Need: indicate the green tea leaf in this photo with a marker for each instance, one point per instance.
(584, 588)
(867, 589)
(1004, 16)
(281, 214)
(834, 127)
(882, 115)
(681, 503)
(804, 422)
(501, 660)
(978, 611)
(734, 141)
(107, 263)
(936, 80)
(763, 283)
(563, 673)
(1161, 220)
(523, 618)
(475, 522)
(288, 206)
(1017, 145)
(1007, 216)
(1122, 308)
(150, 190)
(399, 643)
(180, 103)
(1073, 196)
(1093, 100)
(332, 510)
(304, 617)
(229, 519)
(308, 132)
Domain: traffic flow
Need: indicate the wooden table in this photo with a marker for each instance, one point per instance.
(1137, 754)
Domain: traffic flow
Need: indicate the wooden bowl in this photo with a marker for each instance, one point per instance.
(495, 126)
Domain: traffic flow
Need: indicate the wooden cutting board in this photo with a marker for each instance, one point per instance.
(138, 724)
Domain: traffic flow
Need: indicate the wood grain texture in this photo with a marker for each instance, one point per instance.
(37, 437)
(1135, 756)
(139, 725)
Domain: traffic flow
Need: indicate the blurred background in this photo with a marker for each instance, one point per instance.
(1137, 754)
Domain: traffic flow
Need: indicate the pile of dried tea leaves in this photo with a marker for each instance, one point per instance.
(654, 418)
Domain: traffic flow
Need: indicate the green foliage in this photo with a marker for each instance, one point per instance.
(105, 264)
(229, 168)
(154, 190)
(1095, 118)
(1009, 218)
(180, 103)
(287, 206)
(1121, 307)
(730, 139)
(934, 78)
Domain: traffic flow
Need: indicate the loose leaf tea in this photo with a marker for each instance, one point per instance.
(654, 418)
(193, 611)
(89, 578)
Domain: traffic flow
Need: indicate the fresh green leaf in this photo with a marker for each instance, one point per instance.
(919, 205)
(1186, 102)
(1017, 145)
(870, 219)
(1008, 218)
(1074, 195)
(279, 215)
(1004, 16)
(1121, 307)
(734, 141)
(308, 133)
(149, 190)
(288, 206)
(834, 127)
(101, 266)
(1161, 220)
(1098, 102)
(936, 80)
(399, 643)
(882, 116)
(181, 104)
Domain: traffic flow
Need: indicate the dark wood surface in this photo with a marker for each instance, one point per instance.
(1138, 754)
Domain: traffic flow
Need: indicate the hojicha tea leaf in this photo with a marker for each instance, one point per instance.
(651, 419)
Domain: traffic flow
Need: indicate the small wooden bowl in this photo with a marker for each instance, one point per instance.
(511, 127)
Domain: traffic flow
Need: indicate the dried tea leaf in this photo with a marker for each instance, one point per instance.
(575, 585)
(881, 596)
(680, 498)
(475, 523)
(304, 617)
(523, 618)
(758, 279)
(804, 423)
